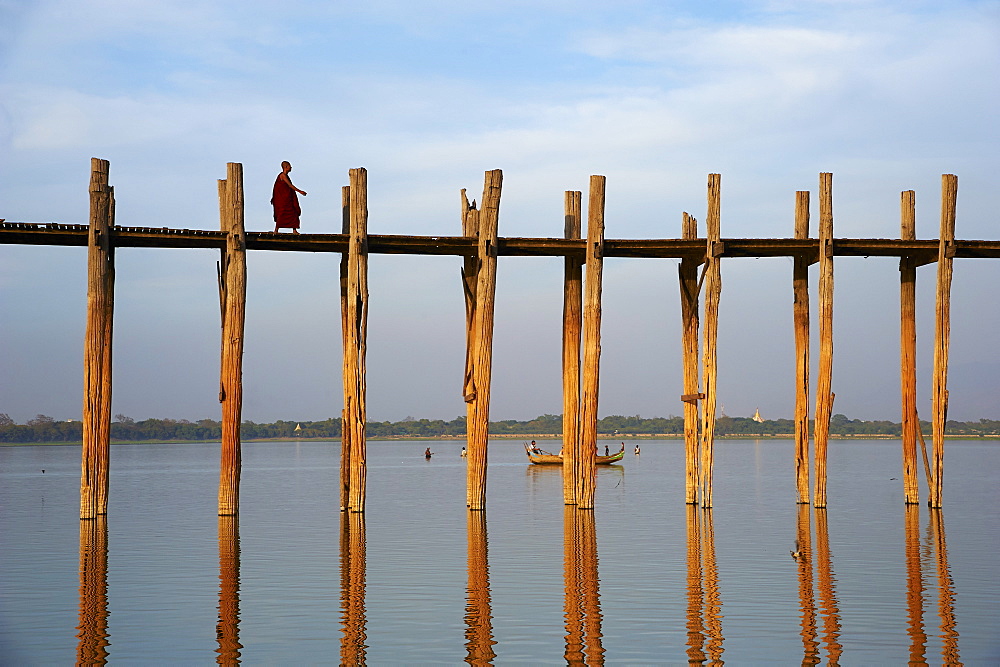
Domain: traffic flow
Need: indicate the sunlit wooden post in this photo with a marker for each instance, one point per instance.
(591, 344)
(908, 349)
(345, 430)
(713, 291)
(233, 291)
(800, 317)
(355, 328)
(572, 324)
(688, 277)
(97, 345)
(942, 333)
(481, 354)
(824, 395)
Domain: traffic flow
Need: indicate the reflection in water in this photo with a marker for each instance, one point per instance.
(704, 614)
(93, 628)
(583, 600)
(478, 613)
(807, 602)
(227, 630)
(826, 584)
(914, 586)
(352, 588)
(946, 600)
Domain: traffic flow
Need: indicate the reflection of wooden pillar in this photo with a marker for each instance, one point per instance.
(227, 630)
(908, 349)
(942, 332)
(352, 589)
(827, 592)
(573, 606)
(914, 586)
(695, 592)
(591, 344)
(355, 328)
(824, 395)
(688, 276)
(713, 291)
(713, 595)
(478, 612)
(233, 284)
(97, 345)
(807, 604)
(93, 627)
(572, 323)
(589, 588)
(481, 348)
(800, 317)
(946, 593)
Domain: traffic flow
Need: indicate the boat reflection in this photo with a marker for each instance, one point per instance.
(227, 630)
(583, 600)
(352, 588)
(478, 611)
(93, 628)
(704, 612)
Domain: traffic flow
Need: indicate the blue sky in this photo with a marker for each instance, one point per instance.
(429, 95)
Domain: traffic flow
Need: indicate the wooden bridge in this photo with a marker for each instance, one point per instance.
(479, 246)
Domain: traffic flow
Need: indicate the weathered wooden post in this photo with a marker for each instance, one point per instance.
(572, 324)
(97, 345)
(942, 332)
(481, 355)
(713, 291)
(345, 431)
(355, 329)
(688, 277)
(824, 396)
(233, 284)
(800, 317)
(908, 349)
(591, 344)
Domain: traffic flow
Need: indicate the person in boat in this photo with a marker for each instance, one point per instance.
(534, 448)
(285, 201)
(606, 451)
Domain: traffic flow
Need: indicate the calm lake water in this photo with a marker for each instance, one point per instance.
(642, 579)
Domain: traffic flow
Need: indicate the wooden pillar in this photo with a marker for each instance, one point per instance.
(233, 284)
(97, 345)
(572, 325)
(908, 349)
(591, 344)
(481, 349)
(942, 333)
(824, 397)
(227, 630)
(800, 317)
(355, 328)
(345, 431)
(688, 277)
(92, 631)
(713, 291)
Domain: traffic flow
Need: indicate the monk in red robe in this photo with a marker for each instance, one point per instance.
(285, 201)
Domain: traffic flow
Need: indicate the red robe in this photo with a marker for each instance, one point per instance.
(286, 205)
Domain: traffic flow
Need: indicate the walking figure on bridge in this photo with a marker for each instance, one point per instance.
(285, 201)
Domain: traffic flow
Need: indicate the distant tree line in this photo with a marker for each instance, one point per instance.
(125, 429)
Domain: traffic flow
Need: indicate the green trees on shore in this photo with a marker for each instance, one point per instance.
(124, 429)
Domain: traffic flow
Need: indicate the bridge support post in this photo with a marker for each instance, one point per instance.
(908, 350)
(688, 276)
(800, 318)
(713, 291)
(942, 333)
(354, 324)
(587, 461)
(97, 345)
(572, 324)
(824, 396)
(233, 293)
(480, 340)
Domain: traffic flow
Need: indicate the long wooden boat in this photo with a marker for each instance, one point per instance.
(542, 457)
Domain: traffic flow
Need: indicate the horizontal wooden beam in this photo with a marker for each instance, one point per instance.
(922, 250)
